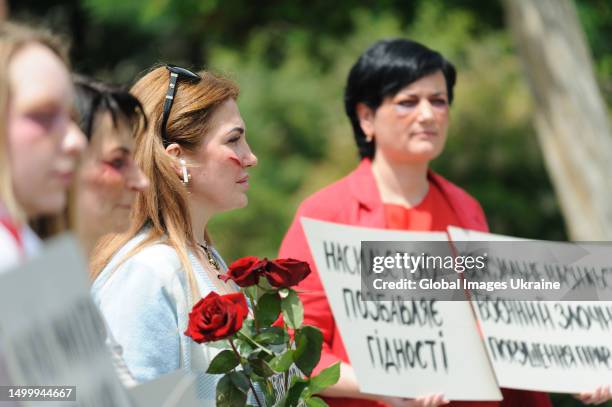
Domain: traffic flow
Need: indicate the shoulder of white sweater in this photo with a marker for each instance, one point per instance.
(156, 255)
(159, 259)
(155, 264)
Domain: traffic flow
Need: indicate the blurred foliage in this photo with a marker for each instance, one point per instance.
(596, 19)
(291, 59)
(297, 103)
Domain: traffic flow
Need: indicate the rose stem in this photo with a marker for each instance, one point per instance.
(289, 347)
(254, 305)
(249, 379)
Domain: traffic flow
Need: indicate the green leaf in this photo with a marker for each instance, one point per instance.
(250, 292)
(295, 392)
(223, 362)
(244, 347)
(267, 310)
(259, 291)
(268, 391)
(272, 335)
(259, 365)
(240, 380)
(228, 395)
(253, 343)
(220, 344)
(248, 327)
(325, 378)
(308, 348)
(246, 368)
(315, 402)
(283, 292)
(265, 285)
(281, 363)
(293, 311)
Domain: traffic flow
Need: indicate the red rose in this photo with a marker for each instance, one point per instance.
(216, 317)
(245, 272)
(284, 273)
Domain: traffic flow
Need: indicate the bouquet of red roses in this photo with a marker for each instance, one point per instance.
(258, 347)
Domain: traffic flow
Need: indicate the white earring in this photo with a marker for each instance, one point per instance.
(186, 175)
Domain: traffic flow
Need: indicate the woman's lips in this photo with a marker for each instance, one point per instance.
(244, 181)
(426, 133)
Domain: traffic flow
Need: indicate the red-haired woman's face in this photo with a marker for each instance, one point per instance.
(108, 179)
(42, 153)
(218, 168)
(410, 126)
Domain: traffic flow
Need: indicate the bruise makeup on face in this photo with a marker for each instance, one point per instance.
(237, 133)
(109, 161)
(109, 174)
(234, 158)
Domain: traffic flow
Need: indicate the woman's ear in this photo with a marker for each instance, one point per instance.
(176, 152)
(365, 114)
(179, 163)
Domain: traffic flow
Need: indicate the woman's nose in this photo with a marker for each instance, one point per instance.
(74, 141)
(250, 160)
(425, 110)
(138, 181)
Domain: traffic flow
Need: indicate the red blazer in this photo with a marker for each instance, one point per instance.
(355, 200)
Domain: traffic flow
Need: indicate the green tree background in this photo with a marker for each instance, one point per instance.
(291, 59)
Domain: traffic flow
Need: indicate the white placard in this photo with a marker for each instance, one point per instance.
(550, 346)
(176, 389)
(461, 372)
(52, 334)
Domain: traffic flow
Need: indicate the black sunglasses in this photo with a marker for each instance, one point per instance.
(176, 72)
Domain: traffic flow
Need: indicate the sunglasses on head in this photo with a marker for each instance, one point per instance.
(176, 73)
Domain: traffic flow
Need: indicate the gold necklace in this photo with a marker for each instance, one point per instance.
(209, 255)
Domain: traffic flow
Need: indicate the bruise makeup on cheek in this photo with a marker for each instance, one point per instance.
(233, 158)
(107, 176)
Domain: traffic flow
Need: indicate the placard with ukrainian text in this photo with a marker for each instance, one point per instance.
(551, 342)
(51, 333)
(410, 345)
(178, 388)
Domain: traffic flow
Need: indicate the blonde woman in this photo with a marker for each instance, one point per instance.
(38, 154)
(196, 156)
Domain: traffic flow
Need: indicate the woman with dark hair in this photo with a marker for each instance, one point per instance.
(108, 178)
(397, 98)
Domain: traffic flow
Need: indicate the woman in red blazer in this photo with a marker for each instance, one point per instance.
(397, 98)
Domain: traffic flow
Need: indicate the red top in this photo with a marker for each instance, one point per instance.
(432, 214)
(13, 230)
(355, 200)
